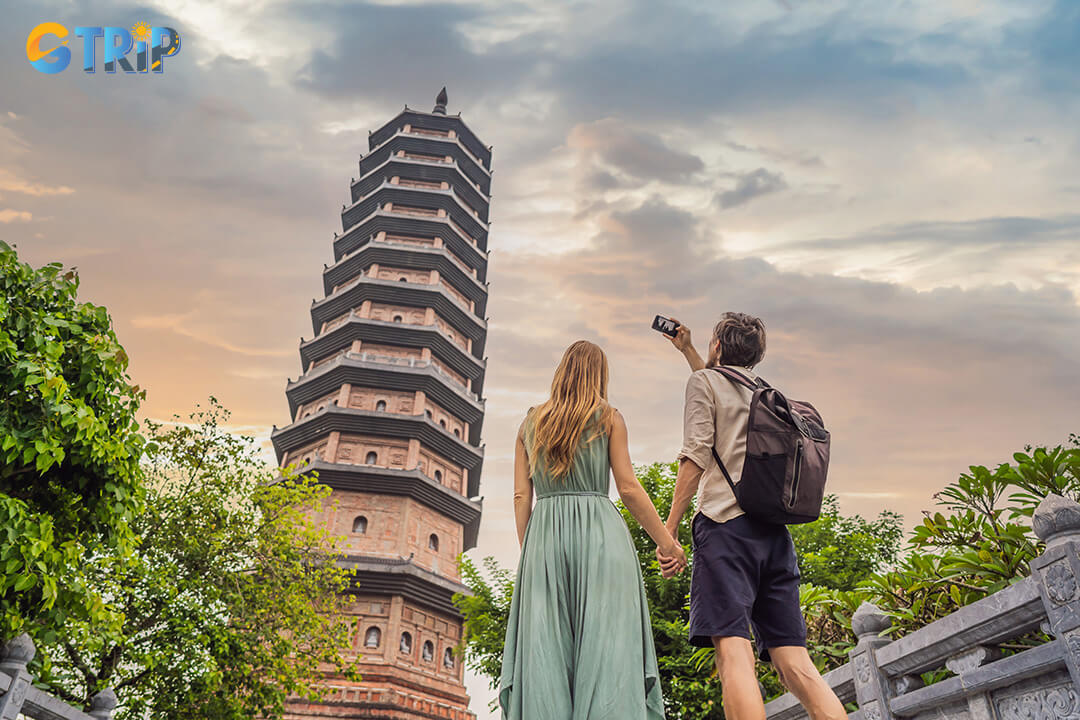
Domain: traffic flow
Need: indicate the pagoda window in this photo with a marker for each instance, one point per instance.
(380, 406)
(442, 423)
(457, 432)
(428, 415)
(448, 659)
(398, 318)
(372, 637)
(359, 525)
(410, 182)
(403, 279)
(433, 542)
(405, 646)
(427, 131)
(372, 458)
(428, 652)
(425, 158)
(438, 476)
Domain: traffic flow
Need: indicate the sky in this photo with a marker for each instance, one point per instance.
(892, 187)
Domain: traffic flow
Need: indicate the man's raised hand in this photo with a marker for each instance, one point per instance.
(681, 339)
(683, 344)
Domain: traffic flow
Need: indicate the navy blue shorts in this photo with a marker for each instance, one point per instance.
(745, 575)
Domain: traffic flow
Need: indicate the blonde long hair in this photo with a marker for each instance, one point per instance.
(578, 390)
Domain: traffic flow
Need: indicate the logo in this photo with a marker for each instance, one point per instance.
(151, 46)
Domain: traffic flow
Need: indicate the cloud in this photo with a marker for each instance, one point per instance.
(749, 186)
(364, 36)
(1030, 251)
(9, 216)
(190, 326)
(11, 183)
(1025, 232)
(638, 154)
(915, 385)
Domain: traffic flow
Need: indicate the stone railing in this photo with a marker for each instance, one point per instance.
(1040, 683)
(20, 699)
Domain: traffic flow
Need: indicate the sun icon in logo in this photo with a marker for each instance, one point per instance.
(141, 31)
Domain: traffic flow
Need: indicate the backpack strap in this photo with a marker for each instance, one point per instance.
(724, 471)
(737, 377)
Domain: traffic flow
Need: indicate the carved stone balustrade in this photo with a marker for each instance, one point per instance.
(1041, 683)
(20, 699)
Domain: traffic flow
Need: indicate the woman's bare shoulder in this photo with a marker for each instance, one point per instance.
(524, 423)
(616, 422)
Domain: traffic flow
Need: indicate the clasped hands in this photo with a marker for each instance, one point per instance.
(671, 556)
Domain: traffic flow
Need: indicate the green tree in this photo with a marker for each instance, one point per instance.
(69, 450)
(487, 612)
(690, 692)
(233, 600)
(839, 552)
(983, 541)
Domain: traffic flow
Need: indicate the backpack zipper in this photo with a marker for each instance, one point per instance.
(796, 472)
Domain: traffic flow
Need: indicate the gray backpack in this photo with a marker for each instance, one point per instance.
(787, 456)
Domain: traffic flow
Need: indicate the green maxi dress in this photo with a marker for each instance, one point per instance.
(578, 642)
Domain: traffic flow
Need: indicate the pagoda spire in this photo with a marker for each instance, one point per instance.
(389, 408)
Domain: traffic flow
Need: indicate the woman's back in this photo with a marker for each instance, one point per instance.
(591, 468)
(578, 642)
(578, 639)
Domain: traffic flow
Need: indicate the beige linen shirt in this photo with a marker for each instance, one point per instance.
(716, 414)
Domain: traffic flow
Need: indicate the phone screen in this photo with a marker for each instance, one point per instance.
(665, 325)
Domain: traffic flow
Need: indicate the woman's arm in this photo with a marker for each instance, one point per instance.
(686, 486)
(634, 496)
(523, 487)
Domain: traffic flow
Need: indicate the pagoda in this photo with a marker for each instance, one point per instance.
(388, 409)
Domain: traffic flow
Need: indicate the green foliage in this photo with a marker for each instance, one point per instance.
(233, 598)
(982, 545)
(487, 612)
(839, 552)
(690, 692)
(835, 553)
(69, 449)
(978, 544)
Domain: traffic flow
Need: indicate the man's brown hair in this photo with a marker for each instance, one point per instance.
(742, 339)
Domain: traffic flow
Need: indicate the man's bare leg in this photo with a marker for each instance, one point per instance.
(801, 677)
(735, 663)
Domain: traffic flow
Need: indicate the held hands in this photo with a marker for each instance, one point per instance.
(672, 558)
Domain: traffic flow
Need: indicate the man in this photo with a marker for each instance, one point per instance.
(744, 571)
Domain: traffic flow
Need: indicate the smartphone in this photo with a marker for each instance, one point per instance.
(665, 325)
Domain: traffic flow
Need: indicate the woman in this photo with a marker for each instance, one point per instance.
(579, 642)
